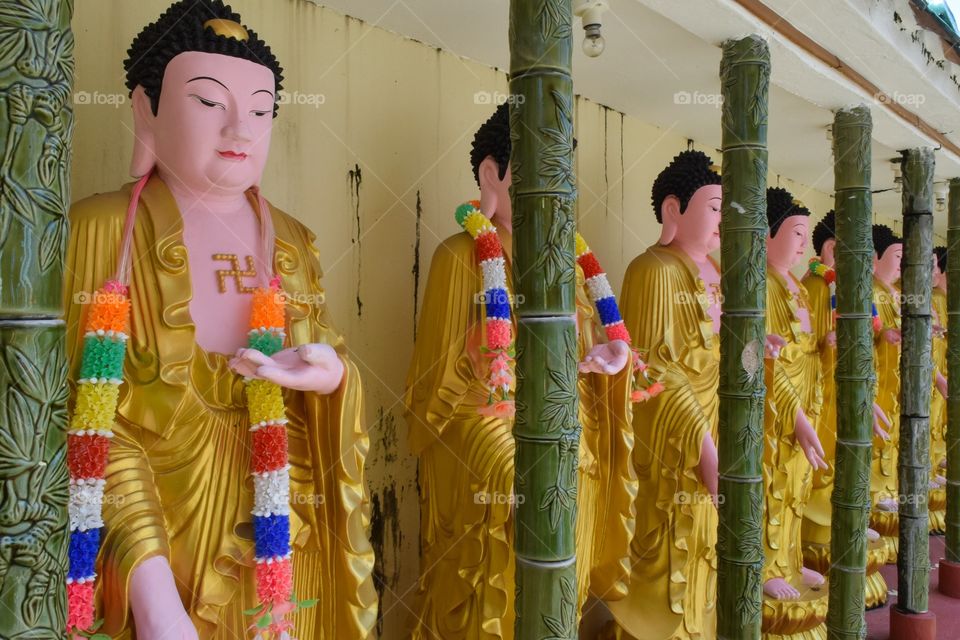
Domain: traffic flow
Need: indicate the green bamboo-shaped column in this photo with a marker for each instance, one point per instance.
(546, 429)
(744, 76)
(854, 374)
(36, 122)
(913, 560)
(953, 379)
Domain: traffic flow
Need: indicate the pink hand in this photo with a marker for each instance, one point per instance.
(157, 609)
(309, 367)
(809, 442)
(608, 358)
(772, 346)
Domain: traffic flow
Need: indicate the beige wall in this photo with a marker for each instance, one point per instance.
(376, 170)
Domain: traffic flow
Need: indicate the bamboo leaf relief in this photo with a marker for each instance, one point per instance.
(748, 608)
(21, 205)
(556, 162)
(557, 256)
(25, 373)
(555, 18)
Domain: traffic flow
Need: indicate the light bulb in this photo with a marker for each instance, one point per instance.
(593, 45)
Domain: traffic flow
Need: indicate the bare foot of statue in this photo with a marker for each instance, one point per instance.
(780, 589)
(872, 535)
(888, 504)
(812, 579)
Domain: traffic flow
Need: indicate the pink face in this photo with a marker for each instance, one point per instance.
(698, 227)
(211, 133)
(939, 278)
(888, 265)
(785, 250)
(826, 253)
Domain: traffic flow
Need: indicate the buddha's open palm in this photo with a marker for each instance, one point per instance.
(309, 367)
(608, 358)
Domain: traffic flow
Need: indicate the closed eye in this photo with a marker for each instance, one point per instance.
(208, 103)
(260, 114)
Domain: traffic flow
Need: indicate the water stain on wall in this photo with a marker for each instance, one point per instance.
(355, 177)
(385, 534)
(416, 266)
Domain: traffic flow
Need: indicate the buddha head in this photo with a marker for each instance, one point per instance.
(686, 200)
(204, 92)
(825, 239)
(887, 252)
(789, 228)
(490, 158)
(940, 267)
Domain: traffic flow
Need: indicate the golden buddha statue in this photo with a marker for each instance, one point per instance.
(178, 549)
(464, 438)
(938, 403)
(888, 249)
(819, 282)
(671, 305)
(795, 602)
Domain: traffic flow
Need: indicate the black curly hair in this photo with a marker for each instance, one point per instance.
(492, 139)
(941, 253)
(180, 29)
(825, 230)
(781, 205)
(883, 238)
(686, 173)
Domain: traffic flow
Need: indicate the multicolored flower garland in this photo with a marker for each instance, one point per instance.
(598, 286)
(270, 468)
(88, 445)
(829, 275)
(489, 255)
(496, 301)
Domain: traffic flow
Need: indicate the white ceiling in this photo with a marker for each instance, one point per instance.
(656, 48)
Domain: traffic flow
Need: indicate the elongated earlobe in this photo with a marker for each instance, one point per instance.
(489, 175)
(144, 143)
(669, 219)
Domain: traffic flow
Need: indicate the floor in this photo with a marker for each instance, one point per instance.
(946, 609)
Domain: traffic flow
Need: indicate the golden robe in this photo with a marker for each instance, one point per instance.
(466, 587)
(816, 514)
(673, 556)
(178, 482)
(938, 414)
(883, 476)
(794, 382)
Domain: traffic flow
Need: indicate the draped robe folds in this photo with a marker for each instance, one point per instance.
(793, 383)
(816, 514)
(787, 473)
(178, 481)
(883, 468)
(883, 482)
(466, 472)
(938, 415)
(673, 559)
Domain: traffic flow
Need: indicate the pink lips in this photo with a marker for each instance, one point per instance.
(232, 155)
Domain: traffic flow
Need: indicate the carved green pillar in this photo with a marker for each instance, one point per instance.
(36, 123)
(855, 374)
(546, 428)
(916, 372)
(744, 78)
